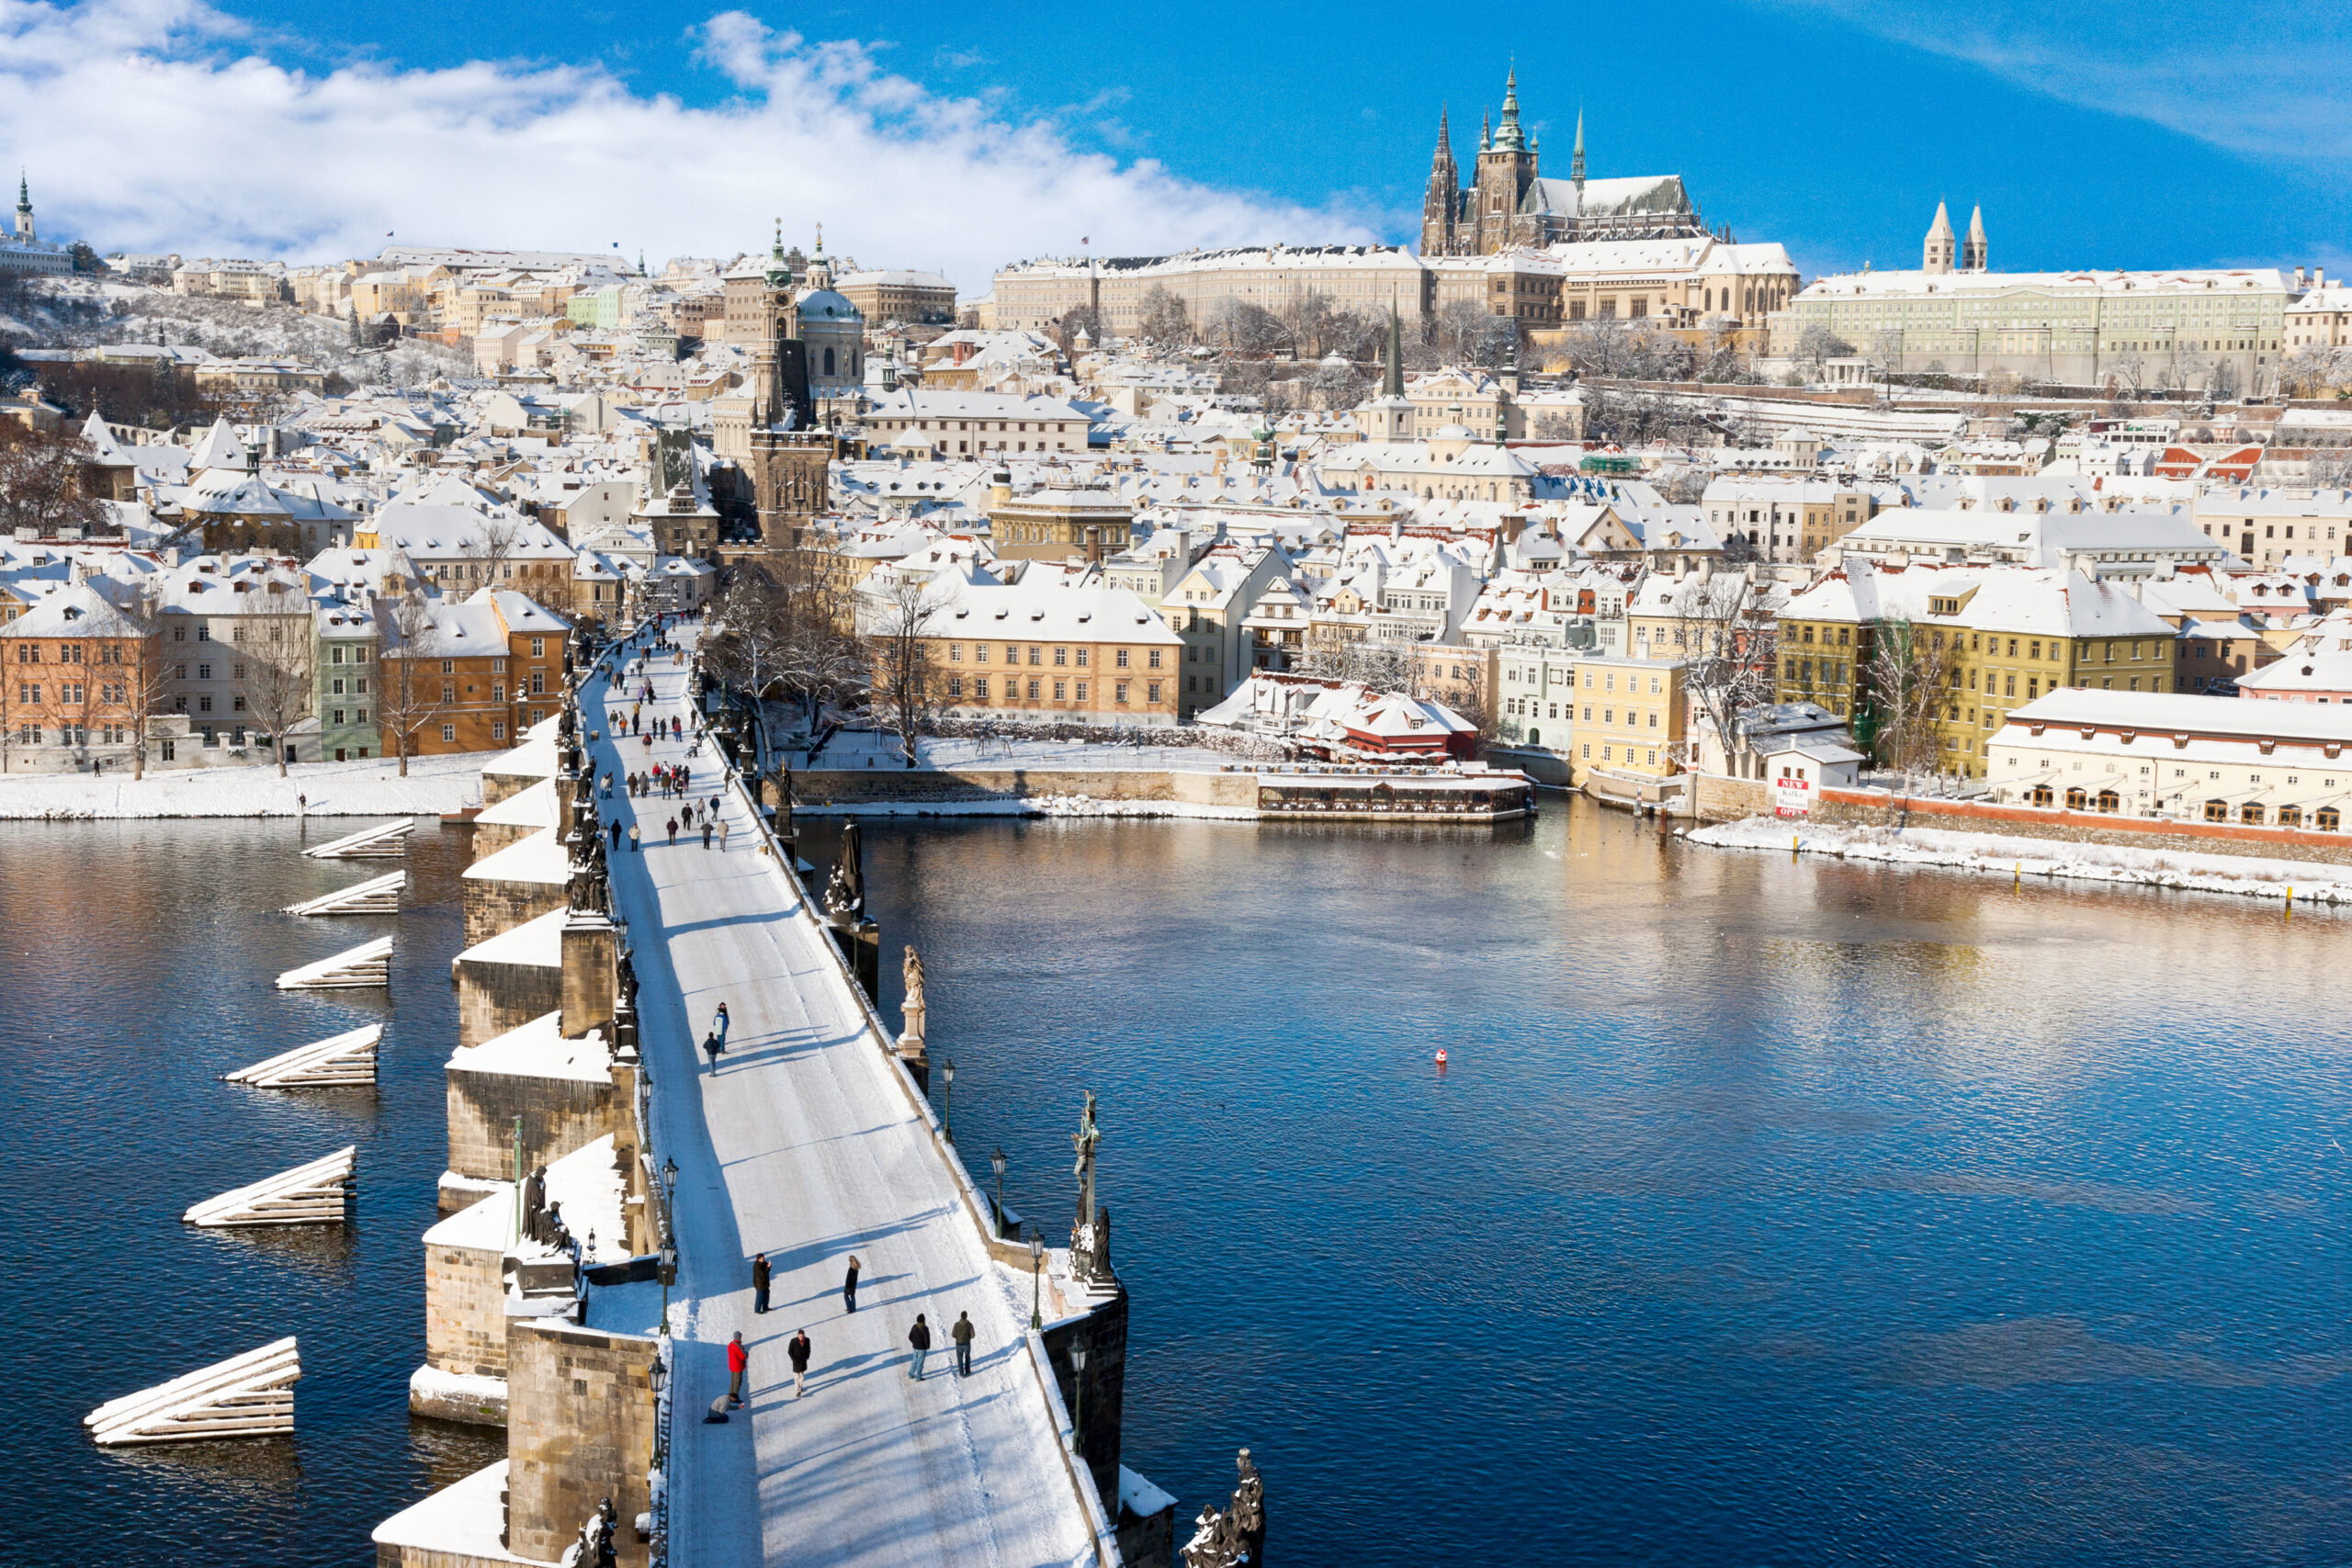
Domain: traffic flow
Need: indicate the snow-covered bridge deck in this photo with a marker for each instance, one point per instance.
(804, 1142)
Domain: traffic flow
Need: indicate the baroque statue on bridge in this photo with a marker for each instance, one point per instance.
(913, 1007)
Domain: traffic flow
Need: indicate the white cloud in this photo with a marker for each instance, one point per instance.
(160, 124)
(2263, 78)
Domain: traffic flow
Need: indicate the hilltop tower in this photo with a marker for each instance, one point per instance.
(1506, 168)
(1974, 252)
(24, 210)
(1389, 417)
(1442, 201)
(1942, 250)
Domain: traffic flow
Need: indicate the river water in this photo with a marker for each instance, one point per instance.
(1767, 1213)
(139, 966)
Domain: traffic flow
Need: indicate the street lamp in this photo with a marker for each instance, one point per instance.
(669, 1269)
(996, 1163)
(947, 1100)
(1078, 1400)
(653, 1375)
(1036, 1258)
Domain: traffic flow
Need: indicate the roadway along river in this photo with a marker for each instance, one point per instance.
(1767, 1212)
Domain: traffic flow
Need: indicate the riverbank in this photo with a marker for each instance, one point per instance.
(1035, 805)
(2006, 856)
(372, 787)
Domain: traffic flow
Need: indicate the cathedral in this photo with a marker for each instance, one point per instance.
(1508, 202)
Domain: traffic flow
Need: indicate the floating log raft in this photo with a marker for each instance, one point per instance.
(376, 895)
(386, 841)
(318, 1193)
(369, 963)
(340, 1061)
(250, 1395)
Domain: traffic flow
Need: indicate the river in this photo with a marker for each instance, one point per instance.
(1767, 1213)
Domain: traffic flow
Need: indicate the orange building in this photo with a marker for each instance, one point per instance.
(81, 681)
(468, 676)
(1052, 655)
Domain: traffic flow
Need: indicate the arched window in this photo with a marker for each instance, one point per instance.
(2328, 819)
(2251, 814)
(1535, 737)
(2109, 802)
(829, 362)
(2042, 795)
(2217, 811)
(2290, 816)
(2076, 800)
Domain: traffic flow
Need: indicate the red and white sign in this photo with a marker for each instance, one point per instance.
(1793, 797)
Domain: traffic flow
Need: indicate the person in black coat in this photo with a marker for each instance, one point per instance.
(760, 1282)
(798, 1348)
(919, 1336)
(849, 1284)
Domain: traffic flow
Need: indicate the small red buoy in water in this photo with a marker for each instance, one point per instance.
(1441, 1055)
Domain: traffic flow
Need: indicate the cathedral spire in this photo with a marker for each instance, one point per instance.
(1392, 380)
(1486, 131)
(1576, 160)
(1507, 135)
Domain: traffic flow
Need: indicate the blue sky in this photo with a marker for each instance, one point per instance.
(2152, 134)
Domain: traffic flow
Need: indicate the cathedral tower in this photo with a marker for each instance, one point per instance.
(24, 208)
(1974, 252)
(1506, 168)
(1942, 250)
(1442, 202)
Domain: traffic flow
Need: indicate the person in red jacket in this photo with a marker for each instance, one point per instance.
(739, 1361)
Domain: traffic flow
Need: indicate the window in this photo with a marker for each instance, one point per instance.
(955, 653)
(1119, 691)
(1121, 660)
(2217, 811)
(204, 671)
(498, 690)
(1155, 665)
(980, 689)
(1032, 691)
(954, 686)
(449, 732)
(1081, 659)
(539, 683)
(498, 729)
(1151, 691)
(1082, 690)
(538, 648)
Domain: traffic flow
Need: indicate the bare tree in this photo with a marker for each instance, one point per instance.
(1910, 671)
(491, 544)
(1251, 329)
(277, 685)
(902, 656)
(410, 695)
(1337, 387)
(1816, 344)
(1727, 633)
(146, 679)
(1162, 319)
(1330, 654)
(41, 482)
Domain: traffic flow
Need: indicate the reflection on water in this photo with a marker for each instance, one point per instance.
(1767, 1212)
(139, 966)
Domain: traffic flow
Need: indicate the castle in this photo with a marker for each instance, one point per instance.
(1508, 202)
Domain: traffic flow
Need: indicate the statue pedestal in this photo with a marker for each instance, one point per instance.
(916, 1060)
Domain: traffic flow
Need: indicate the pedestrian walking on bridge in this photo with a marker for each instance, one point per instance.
(706, 834)
(962, 1334)
(722, 835)
(849, 1285)
(760, 1275)
(798, 1348)
(739, 1361)
(920, 1337)
(632, 838)
(673, 831)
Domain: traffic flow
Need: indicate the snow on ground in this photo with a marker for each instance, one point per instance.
(2004, 855)
(802, 1141)
(370, 788)
(1033, 806)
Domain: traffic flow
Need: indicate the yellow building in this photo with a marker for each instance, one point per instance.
(1631, 718)
(1987, 640)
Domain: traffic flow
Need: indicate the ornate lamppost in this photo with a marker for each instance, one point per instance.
(996, 1163)
(669, 1235)
(947, 1100)
(1036, 1259)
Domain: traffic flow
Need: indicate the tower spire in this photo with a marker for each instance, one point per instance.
(1576, 160)
(1508, 134)
(1392, 380)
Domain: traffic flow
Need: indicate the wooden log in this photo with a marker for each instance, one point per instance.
(386, 841)
(340, 1061)
(318, 1193)
(369, 963)
(376, 895)
(250, 1395)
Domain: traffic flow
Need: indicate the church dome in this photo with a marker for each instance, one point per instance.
(823, 304)
(1453, 433)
